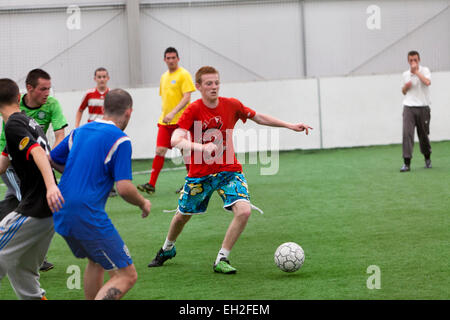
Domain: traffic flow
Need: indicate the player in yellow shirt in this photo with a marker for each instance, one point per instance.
(175, 90)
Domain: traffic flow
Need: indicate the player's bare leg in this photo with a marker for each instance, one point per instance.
(168, 249)
(176, 226)
(242, 211)
(93, 279)
(120, 282)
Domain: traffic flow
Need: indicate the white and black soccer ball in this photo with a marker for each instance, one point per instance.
(289, 257)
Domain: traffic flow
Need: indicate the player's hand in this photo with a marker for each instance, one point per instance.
(299, 127)
(209, 149)
(408, 85)
(169, 117)
(55, 199)
(145, 207)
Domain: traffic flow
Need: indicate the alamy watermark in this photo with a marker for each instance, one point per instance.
(373, 22)
(255, 146)
(73, 21)
(74, 280)
(374, 280)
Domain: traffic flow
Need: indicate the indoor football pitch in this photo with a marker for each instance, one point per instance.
(350, 209)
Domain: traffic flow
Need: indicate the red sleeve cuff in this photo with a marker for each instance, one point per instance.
(31, 148)
(4, 154)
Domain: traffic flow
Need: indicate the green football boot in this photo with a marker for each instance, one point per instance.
(224, 267)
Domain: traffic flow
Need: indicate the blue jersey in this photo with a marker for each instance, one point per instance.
(95, 155)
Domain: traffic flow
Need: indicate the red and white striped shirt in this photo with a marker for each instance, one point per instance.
(93, 100)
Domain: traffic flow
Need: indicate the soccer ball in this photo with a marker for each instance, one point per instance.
(289, 257)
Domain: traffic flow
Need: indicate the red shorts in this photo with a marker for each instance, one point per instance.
(164, 135)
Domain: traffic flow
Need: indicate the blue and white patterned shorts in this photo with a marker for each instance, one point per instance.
(231, 187)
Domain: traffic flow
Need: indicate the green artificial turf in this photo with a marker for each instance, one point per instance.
(348, 208)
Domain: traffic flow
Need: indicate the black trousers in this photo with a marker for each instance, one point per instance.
(416, 117)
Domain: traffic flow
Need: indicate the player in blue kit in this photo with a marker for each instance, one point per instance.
(92, 158)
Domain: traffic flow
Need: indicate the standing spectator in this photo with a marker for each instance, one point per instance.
(416, 110)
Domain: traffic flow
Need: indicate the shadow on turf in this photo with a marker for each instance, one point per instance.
(284, 275)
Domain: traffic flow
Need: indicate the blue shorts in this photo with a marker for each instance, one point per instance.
(111, 253)
(231, 187)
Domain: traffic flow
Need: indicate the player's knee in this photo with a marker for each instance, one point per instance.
(160, 151)
(182, 218)
(244, 213)
(242, 210)
(131, 277)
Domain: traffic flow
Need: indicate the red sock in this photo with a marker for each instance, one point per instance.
(157, 165)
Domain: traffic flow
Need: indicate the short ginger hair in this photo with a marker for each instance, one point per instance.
(204, 70)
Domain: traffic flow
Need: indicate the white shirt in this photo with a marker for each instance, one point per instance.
(419, 94)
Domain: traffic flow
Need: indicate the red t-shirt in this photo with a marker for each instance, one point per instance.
(214, 125)
(93, 100)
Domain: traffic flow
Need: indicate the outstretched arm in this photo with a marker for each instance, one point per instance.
(267, 120)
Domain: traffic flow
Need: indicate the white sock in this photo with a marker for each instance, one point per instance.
(223, 253)
(168, 245)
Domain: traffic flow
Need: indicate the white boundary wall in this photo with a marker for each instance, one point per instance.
(353, 111)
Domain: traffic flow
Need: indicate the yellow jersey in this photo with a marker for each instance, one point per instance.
(172, 87)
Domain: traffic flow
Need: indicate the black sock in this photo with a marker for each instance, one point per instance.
(427, 157)
(407, 161)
